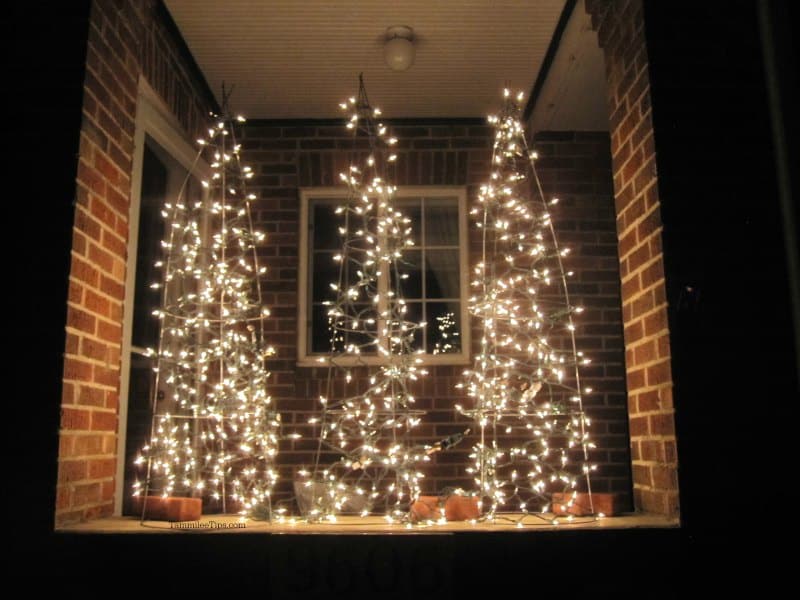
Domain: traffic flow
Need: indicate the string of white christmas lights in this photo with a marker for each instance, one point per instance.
(374, 469)
(215, 432)
(524, 384)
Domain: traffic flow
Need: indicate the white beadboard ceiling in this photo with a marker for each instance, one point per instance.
(297, 59)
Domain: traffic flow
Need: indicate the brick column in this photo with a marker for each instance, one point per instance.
(126, 41)
(90, 396)
(620, 27)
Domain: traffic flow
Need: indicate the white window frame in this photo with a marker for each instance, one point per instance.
(307, 194)
(154, 120)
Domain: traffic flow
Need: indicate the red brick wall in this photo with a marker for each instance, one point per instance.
(286, 156)
(126, 40)
(620, 27)
(576, 168)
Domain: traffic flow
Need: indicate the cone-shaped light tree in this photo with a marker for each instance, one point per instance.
(366, 463)
(215, 429)
(524, 387)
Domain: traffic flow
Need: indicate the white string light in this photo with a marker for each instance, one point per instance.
(366, 426)
(524, 384)
(215, 432)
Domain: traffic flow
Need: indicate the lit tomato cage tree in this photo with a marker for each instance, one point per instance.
(365, 463)
(215, 429)
(523, 388)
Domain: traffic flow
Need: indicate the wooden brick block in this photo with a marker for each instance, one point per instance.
(425, 508)
(169, 508)
(456, 508)
(581, 505)
(461, 508)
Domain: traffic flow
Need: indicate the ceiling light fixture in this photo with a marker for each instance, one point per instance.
(398, 50)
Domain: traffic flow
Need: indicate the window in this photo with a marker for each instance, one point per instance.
(435, 286)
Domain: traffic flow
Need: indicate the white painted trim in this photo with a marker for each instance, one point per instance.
(165, 129)
(304, 359)
(153, 119)
(302, 278)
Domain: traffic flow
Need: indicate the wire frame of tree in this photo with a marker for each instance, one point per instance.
(523, 389)
(365, 463)
(214, 429)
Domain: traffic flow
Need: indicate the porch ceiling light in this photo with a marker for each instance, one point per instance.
(398, 49)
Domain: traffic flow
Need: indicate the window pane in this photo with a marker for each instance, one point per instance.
(356, 330)
(320, 329)
(359, 328)
(441, 222)
(364, 342)
(444, 327)
(325, 224)
(414, 315)
(411, 209)
(356, 272)
(155, 180)
(441, 274)
(324, 272)
(411, 267)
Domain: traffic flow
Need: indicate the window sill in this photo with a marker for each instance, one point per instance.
(375, 361)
